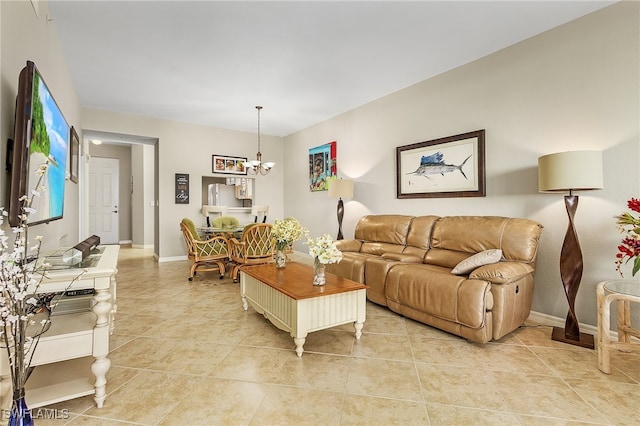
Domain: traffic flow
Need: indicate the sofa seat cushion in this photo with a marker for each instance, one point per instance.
(503, 272)
(435, 291)
(402, 257)
(378, 248)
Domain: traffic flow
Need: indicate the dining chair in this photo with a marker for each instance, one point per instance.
(216, 210)
(207, 255)
(254, 248)
(259, 210)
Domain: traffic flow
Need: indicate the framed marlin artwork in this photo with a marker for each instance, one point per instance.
(445, 167)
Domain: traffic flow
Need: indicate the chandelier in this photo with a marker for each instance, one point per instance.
(258, 166)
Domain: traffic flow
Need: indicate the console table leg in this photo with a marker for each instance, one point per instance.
(299, 341)
(99, 369)
(358, 326)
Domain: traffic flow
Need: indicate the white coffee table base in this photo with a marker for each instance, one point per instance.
(300, 317)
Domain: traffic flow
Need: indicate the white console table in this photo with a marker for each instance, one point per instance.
(71, 357)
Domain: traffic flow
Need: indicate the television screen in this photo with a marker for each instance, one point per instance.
(41, 137)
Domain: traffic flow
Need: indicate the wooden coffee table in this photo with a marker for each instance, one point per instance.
(288, 298)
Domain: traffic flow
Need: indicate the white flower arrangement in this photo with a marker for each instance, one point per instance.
(18, 306)
(324, 249)
(287, 231)
(20, 277)
(17, 303)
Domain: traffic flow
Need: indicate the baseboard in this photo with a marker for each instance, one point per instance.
(125, 242)
(550, 320)
(142, 246)
(171, 259)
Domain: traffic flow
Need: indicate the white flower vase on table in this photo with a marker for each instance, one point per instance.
(285, 232)
(319, 277)
(324, 251)
(280, 258)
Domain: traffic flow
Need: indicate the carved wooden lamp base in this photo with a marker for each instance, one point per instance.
(585, 340)
(571, 274)
(340, 188)
(340, 216)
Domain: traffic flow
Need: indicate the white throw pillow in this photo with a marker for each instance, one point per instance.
(479, 259)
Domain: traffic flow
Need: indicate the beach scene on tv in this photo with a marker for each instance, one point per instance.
(49, 145)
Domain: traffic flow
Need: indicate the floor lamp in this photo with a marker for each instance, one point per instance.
(562, 172)
(340, 188)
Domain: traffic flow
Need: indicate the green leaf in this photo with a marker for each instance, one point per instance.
(636, 266)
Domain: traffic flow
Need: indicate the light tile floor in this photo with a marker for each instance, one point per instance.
(186, 353)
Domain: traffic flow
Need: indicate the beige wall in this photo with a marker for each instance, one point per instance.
(25, 36)
(143, 198)
(574, 87)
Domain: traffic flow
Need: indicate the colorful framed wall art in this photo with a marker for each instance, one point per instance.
(322, 166)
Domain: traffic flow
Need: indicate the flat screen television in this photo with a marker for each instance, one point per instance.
(41, 136)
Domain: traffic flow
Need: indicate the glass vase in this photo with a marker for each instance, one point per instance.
(20, 415)
(318, 273)
(280, 258)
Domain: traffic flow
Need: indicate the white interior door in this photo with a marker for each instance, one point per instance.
(103, 199)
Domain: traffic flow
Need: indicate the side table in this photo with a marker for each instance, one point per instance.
(623, 292)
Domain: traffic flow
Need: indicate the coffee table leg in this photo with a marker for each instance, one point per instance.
(245, 305)
(358, 326)
(299, 341)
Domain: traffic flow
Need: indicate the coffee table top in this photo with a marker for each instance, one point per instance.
(296, 280)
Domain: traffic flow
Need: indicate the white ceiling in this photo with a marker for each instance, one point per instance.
(211, 62)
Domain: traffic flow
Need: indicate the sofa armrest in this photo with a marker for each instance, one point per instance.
(502, 272)
(349, 245)
(401, 257)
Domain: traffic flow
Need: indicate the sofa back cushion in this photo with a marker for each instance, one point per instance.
(419, 236)
(456, 237)
(383, 233)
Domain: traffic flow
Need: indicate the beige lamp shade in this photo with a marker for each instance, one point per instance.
(340, 188)
(570, 171)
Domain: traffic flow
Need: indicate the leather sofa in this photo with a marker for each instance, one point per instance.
(407, 264)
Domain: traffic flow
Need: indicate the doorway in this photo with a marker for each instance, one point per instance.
(104, 199)
(137, 186)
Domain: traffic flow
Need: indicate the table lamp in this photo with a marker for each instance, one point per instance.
(561, 172)
(340, 188)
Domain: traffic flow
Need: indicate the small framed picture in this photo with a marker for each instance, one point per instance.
(74, 155)
(229, 165)
(182, 188)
